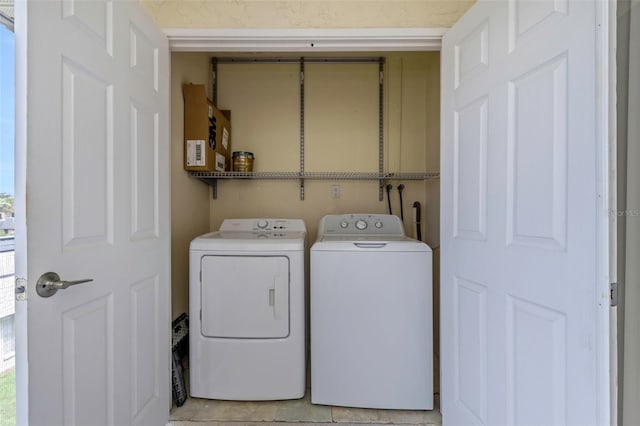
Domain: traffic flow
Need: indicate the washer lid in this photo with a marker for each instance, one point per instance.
(369, 244)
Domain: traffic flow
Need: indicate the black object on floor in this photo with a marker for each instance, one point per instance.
(180, 349)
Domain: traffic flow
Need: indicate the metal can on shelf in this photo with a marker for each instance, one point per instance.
(242, 161)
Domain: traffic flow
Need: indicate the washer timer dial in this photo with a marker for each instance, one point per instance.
(361, 224)
(262, 224)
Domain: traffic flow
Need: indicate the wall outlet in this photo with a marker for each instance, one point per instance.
(335, 191)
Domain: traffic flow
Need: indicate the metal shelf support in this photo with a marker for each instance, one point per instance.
(211, 178)
(302, 128)
(381, 125)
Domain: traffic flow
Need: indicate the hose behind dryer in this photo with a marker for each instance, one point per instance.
(389, 187)
(416, 219)
(400, 188)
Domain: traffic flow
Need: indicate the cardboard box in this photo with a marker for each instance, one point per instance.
(207, 132)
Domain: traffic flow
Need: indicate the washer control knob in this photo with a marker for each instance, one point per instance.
(262, 224)
(378, 224)
(344, 224)
(361, 224)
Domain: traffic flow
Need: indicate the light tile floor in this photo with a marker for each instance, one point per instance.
(202, 412)
(209, 412)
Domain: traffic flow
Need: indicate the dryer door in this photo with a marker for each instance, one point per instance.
(245, 296)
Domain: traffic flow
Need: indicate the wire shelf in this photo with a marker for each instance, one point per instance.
(316, 175)
(211, 178)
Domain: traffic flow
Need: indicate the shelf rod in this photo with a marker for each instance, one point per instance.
(381, 127)
(296, 60)
(302, 129)
(214, 89)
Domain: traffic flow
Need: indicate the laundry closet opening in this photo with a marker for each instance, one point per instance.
(341, 134)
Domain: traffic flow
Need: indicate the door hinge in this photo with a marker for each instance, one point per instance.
(21, 289)
(613, 294)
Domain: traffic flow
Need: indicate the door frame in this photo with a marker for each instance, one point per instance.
(20, 220)
(304, 39)
(430, 39)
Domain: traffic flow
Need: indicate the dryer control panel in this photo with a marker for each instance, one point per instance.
(361, 224)
(263, 225)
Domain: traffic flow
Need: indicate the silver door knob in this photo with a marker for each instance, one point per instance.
(49, 283)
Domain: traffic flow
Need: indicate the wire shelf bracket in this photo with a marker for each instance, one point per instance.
(211, 178)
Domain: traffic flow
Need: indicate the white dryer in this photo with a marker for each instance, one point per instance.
(247, 311)
(371, 315)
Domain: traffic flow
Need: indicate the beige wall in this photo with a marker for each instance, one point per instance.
(189, 198)
(341, 134)
(306, 13)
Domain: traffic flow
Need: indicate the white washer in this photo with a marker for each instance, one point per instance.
(246, 311)
(371, 315)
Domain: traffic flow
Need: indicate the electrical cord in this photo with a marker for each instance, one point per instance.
(416, 219)
(389, 187)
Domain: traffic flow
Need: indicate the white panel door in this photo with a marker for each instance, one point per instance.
(93, 142)
(521, 287)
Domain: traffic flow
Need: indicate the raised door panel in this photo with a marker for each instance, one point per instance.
(537, 157)
(93, 18)
(470, 362)
(145, 338)
(536, 364)
(88, 369)
(470, 170)
(87, 156)
(144, 164)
